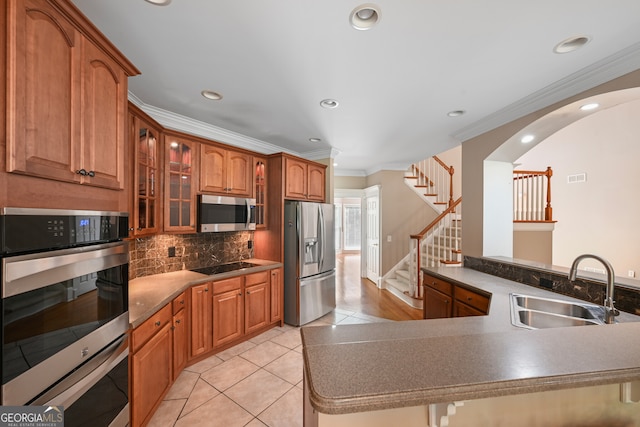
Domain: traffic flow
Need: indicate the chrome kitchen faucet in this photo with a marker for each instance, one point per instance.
(610, 310)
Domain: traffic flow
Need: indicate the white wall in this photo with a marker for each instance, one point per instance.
(498, 209)
(476, 149)
(601, 215)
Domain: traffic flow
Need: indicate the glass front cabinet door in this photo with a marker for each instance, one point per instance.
(147, 178)
(180, 203)
(260, 191)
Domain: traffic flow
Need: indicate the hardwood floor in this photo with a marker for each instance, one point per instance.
(354, 293)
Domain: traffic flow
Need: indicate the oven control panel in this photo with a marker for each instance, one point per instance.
(30, 230)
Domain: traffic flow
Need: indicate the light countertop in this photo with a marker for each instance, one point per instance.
(356, 368)
(149, 294)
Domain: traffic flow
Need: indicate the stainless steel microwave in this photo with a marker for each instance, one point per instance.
(224, 213)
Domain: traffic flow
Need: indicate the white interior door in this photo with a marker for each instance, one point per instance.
(372, 248)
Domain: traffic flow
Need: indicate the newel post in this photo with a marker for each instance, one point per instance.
(451, 171)
(548, 211)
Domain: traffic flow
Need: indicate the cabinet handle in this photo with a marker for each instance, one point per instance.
(182, 302)
(469, 298)
(178, 321)
(446, 301)
(206, 289)
(84, 172)
(158, 323)
(240, 294)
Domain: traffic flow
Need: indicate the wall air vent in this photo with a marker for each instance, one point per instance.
(574, 179)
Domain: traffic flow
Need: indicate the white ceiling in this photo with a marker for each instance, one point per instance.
(275, 60)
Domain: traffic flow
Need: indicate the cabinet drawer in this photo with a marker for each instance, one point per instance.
(252, 279)
(473, 299)
(179, 303)
(150, 327)
(439, 285)
(227, 285)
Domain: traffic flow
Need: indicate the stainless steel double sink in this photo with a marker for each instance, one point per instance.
(533, 312)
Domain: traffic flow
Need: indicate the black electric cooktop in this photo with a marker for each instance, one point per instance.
(223, 268)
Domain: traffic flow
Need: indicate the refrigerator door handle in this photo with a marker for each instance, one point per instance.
(321, 239)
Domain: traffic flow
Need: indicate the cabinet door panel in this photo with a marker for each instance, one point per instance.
(104, 100)
(180, 339)
(277, 295)
(151, 375)
(212, 169)
(239, 173)
(260, 192)
(463, 310)
(180, 160)
(43, 100)
(201, 319)
(295, 179)
(227, 317)
(145, 140)
(256, 307)
(437, 305)
(316, 183)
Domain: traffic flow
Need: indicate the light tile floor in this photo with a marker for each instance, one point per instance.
(255, 383)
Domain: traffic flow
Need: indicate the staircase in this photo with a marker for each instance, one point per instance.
(438, 244)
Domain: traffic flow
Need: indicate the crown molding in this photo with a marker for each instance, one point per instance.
(609, 68)
(349, 172)
(186, 124)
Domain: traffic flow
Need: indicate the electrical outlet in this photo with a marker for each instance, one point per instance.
(389, 238)
(546, 283)
(632, 273)
(172, 251)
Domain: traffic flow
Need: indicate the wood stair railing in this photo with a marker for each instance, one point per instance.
(431, 174)
(532, 196)
(441, 242)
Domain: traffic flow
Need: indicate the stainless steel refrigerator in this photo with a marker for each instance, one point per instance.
(309, 261)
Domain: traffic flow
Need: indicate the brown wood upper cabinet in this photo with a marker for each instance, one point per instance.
(226, 172)
(147, 172)
(66, 96)
(180, 171)
(304, 180)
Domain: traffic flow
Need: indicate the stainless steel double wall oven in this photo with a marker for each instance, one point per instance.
(65, 313)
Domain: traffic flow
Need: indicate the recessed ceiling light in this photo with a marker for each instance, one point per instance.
(159, 2)
(329, 103)
(590, 106)
(365, 16)
(527, 139)
(335, 164)
(571, 44)
(315, 139)
(209, 94)
(455, 113)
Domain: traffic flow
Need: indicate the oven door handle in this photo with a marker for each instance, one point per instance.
(75, 385)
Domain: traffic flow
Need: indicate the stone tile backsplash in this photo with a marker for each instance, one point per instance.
(626, 298)
(150, 255)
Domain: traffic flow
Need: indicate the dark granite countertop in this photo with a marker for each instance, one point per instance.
(356, 368)
(149, 294)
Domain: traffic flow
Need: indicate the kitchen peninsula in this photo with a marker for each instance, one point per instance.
(482, 368)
